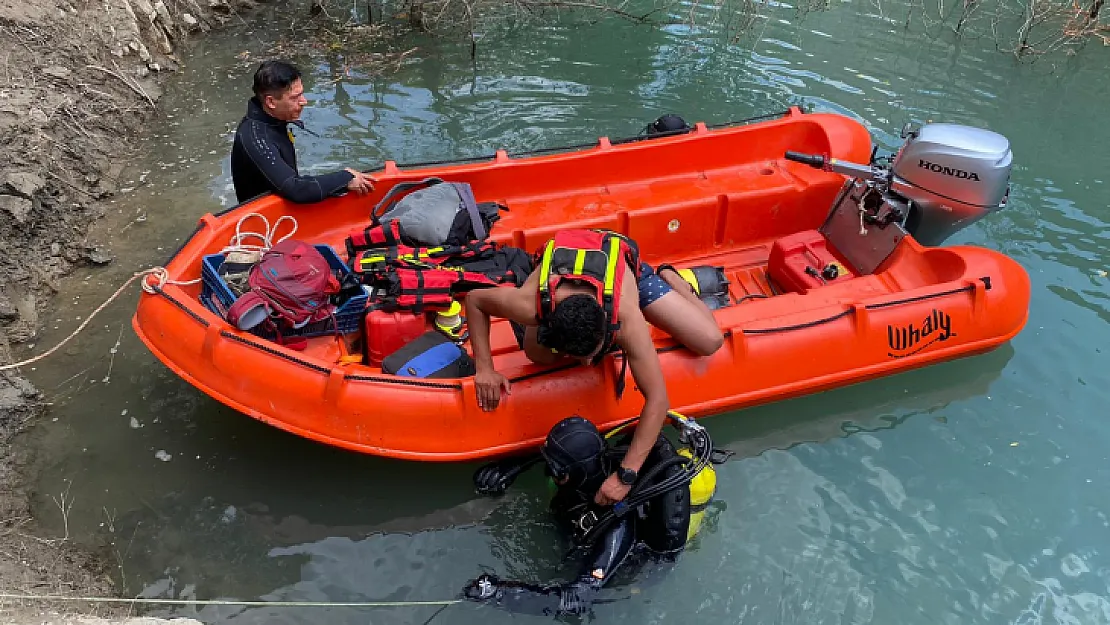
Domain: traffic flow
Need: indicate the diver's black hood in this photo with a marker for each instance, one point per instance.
(575, 449)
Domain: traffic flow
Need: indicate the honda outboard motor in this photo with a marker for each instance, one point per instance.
(943, 178)
(952, 176)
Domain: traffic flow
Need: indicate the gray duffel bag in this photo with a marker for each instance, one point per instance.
(441, 213)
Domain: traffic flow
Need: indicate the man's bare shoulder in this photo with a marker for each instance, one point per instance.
(630, 297)
(528, 291)
(531, 284)
(516, 303)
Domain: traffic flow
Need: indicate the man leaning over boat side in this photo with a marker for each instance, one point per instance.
(578, 326)
(263, 157)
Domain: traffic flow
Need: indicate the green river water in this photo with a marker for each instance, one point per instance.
(971, 492)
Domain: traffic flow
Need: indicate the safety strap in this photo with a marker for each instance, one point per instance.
(608, 297)
(611, 268)
(404, 256)
(400, 255)
(467, 195)
(621, 377)
(544, 282)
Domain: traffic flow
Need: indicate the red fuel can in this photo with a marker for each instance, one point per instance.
(386, 332)
(803, 261)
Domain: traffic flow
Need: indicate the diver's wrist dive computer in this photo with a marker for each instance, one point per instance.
(626, 476)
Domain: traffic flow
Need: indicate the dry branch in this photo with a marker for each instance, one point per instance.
(131, 83)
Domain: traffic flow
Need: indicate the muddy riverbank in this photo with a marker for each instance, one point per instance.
(78, 82)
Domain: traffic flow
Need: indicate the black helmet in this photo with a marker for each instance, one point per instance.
(669, 123)
(575, 451)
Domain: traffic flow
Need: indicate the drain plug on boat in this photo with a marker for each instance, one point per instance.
(672, 226)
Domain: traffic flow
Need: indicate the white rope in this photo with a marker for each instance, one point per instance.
(267, 235)
(162, 275)
(162, 278)
(285, 604)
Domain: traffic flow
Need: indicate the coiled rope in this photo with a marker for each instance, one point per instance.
(162, 275)
(204, 602)
(267, 235)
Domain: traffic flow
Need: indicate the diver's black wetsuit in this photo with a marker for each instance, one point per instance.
(662, 526)
(263, 160)
(608, 553)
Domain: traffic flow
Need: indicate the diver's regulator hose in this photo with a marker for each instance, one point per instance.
(643, 490)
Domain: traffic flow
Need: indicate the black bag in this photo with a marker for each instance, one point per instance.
(506, 264)
(431, 355)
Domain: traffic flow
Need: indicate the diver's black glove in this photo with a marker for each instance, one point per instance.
(496, 477)
(482, 589)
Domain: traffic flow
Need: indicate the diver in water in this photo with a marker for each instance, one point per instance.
(663, 511)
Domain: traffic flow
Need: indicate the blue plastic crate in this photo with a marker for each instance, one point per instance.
(217, 297)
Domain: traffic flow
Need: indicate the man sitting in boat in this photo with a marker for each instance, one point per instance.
(591, 293)
(667, 509)
(263, 158)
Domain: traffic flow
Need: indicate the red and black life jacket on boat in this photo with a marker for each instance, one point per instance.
(375, 236)
(417, 290)
(404, 277)
(591, 257)
(404, 256)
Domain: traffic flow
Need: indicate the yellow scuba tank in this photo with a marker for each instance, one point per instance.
(702, 489)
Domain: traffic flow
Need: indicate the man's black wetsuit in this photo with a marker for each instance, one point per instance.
(263, 159)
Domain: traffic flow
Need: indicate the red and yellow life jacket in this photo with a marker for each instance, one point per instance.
(417, 290)
(407, 278)
(374, 236)
(592, 257)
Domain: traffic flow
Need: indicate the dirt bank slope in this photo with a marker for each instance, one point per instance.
(78, 79)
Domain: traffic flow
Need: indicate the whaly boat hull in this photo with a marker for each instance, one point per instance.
(718, 196)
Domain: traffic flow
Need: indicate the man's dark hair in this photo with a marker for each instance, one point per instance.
(274, 77)
(575, 328)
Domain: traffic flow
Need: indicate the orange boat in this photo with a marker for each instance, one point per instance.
(766, 199)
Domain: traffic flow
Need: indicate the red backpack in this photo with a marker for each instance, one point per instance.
(290, 286)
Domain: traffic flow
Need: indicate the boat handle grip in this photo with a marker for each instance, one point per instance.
(813, 160)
